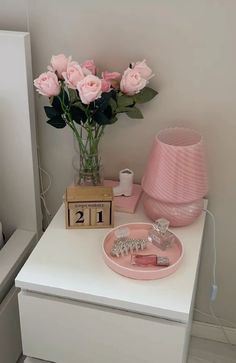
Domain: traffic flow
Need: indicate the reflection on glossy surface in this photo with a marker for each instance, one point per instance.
(178, 215)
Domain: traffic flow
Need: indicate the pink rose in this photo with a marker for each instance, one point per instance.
(90, 88)
(89, 65)
(113, 78)
(106, 85)
(59, 64)
(132, 82)
(47, 84)
(109, 76)
(144, 71)
(73, 74)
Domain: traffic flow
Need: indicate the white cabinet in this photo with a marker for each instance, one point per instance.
(73, 308)
(67, 331)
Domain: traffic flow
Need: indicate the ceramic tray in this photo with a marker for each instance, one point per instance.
(122, 264)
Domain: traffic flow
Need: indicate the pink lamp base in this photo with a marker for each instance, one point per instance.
(178, 215)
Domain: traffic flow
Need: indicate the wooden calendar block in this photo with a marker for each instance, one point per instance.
(89, 207)
(100, 214)
(79, 214)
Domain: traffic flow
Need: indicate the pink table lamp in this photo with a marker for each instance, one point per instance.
(175, 180)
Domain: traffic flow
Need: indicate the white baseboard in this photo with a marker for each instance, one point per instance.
(33, 360)
(213, 332)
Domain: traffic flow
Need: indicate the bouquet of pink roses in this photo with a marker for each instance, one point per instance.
(82, 99)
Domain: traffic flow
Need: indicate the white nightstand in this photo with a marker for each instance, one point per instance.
(74, 309)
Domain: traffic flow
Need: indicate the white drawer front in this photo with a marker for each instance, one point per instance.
(66, 331)
(10, 340)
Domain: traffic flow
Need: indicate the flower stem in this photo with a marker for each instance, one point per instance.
(89, 160)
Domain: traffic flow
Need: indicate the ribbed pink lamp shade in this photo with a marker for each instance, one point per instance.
(175, 179)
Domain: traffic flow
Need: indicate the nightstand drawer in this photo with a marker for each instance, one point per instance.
(66, 331)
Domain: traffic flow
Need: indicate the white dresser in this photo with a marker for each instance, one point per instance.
(74, 309)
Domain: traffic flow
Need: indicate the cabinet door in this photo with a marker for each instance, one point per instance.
(10, 340)
(66, 331)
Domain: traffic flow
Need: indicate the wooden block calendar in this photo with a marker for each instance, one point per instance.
(89, 207)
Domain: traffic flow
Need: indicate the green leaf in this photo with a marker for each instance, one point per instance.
(145, 95)
(101, 118)
(57, 104)
(64, 97)
(113, 104)
(108, 112)
(105, 117)
(113, 120)
(124, 101)
(72, 95)
(102, 102)
(78, 115)
(79, 105)
(123, 109)
(134, 112)
(51, 111)
(57, 122)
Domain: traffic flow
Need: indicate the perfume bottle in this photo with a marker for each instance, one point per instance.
(160, 236)
(149, 260)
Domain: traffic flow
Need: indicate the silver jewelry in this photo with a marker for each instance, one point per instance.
(123, 246)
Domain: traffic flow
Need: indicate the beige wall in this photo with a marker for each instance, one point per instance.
(191, 47)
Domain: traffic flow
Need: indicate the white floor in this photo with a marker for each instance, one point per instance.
(208, 351)
(201, 350)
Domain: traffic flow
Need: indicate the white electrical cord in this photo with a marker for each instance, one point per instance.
(219, 323)
(213, 284)
(44, 191)
(201, 359)
(214, 287)
(233, 324)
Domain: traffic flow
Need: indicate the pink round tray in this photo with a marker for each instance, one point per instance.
(122, 264)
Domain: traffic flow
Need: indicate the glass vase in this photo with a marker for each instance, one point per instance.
(87, 162)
